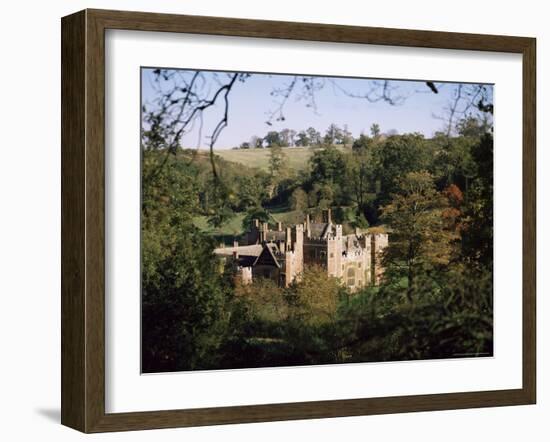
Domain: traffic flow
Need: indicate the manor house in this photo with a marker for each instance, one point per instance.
(281, 254)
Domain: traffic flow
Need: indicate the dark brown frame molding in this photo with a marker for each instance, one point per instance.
(83, 216)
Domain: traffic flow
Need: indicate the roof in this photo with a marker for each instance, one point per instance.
(253, 250)
(319, 230)
(267, 257)
(247, 261)
(353, 240)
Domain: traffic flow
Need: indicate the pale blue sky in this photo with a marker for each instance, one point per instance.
(251, 102)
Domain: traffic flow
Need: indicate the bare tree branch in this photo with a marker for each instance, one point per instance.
(179, 106)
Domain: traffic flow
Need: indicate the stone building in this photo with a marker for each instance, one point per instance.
(281, 254)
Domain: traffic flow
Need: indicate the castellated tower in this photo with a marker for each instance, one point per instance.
(294, 253)
(299, 248)
(366, 244)
(378, 244)
(288, 239)
(290, 263)
(334, 253)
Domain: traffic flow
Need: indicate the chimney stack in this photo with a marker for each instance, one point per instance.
(279, 226)
(263, 233)
(288, 238)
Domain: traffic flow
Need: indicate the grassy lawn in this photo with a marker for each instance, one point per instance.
(288, 217)
(232, 227)
(298, 157)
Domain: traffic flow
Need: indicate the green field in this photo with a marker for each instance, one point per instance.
(298, 157)
(234, 226)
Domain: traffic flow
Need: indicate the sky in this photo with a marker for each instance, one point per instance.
(338, 100)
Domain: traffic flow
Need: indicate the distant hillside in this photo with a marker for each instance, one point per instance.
(297, 156)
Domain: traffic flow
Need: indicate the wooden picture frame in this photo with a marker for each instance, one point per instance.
(83, 220)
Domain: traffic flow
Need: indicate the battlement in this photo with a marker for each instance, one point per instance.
(315, 241)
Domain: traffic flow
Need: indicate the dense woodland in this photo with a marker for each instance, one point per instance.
(433, 196)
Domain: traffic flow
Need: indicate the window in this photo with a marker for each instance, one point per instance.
(351, 277)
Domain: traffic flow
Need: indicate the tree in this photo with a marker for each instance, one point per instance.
(327, 165)
(183, 296)
(256, 142)
(472, 127)
(302, 139)
(333, 135)
(273, 138)
(420, 238)
(298, 199)
(183, 301)
(359, 175)
(278, 162)
(287, 137)
(322, 195)
(314, 298)
(264, 300)
(455, 318)
(375, 130)
(253, 213)
(248, 191)
(347, 137)
(396, 157)
(314, 136)
(179, 105)
(453, 163)
(478, 233)
(245, 145)
(363, 142)
(470, 102)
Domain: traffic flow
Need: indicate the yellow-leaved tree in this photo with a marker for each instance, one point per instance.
(421, 239)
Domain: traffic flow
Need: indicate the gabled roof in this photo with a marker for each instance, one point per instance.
(267, 257)
(247, 261)
(320, 230)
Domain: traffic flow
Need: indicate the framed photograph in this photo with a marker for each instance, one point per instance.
(267, 221)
